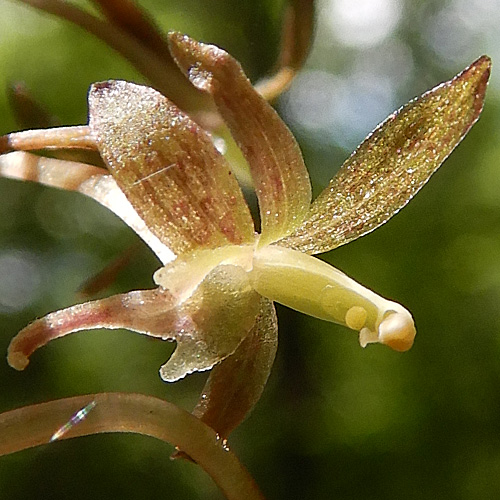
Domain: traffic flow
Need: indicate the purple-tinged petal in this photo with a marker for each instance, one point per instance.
(168, 168)
(278, 171)
(207, 327)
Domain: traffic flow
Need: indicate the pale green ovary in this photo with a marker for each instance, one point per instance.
(303, 283)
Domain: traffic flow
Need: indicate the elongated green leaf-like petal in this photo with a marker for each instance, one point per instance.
(278, 171)
(393, 163)
(168, 168)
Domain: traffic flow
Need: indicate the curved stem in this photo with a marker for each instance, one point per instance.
(127, 15)
(121, 412)
(159, 70)
(296, 39)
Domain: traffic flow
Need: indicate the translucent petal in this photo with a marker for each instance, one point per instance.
(236, 384)
(393, 163)
(222, 311)
(92, 181)
(168, 168)
(280, 177)
(207, 327)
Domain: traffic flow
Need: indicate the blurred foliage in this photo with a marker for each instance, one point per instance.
(335, 421)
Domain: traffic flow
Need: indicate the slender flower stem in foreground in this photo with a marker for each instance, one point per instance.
(121, 412)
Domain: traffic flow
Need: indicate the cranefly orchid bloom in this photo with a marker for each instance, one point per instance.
(219, 278)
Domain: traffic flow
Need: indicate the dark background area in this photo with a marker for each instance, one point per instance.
(335, 421)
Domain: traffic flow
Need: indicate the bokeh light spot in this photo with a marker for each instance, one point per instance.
(20, 280)
(362, 23)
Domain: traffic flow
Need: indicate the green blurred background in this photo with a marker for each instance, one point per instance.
(335, 421)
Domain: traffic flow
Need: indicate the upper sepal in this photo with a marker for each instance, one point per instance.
(280, 177)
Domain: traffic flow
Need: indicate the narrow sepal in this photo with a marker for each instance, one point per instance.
(280, 177)
(393, 163)
(49, 138)
(92, 181)
(236, 384)
(52, 172)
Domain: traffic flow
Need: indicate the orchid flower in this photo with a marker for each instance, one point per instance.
(219, 278)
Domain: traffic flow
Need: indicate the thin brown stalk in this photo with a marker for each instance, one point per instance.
(121, 412)
(296, 40)
(160, 71)
(134, 20)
